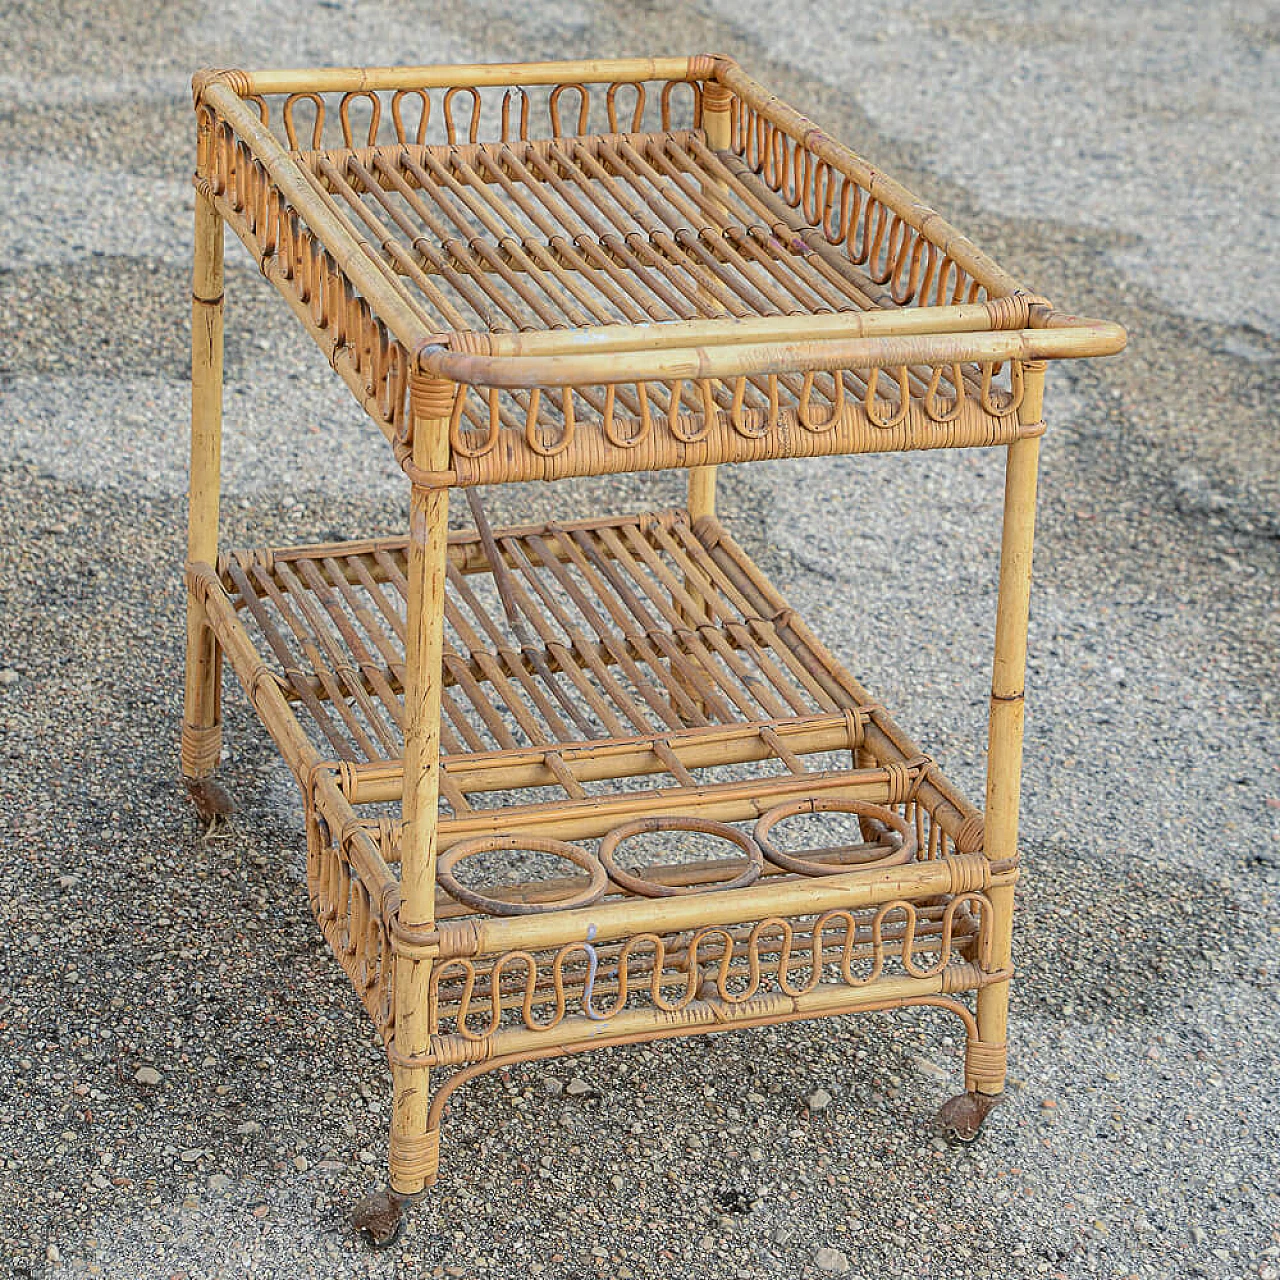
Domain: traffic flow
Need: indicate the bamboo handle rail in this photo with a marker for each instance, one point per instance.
(478, 74)
(732, 360)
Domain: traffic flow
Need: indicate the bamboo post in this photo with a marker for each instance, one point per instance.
(702, 480)
(415, 1147)
(985, 1069)
(715, 124)
(202, 709)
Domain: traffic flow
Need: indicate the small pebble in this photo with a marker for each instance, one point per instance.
(827, 1259)
(576, 1088)
(819, 1100)
(147, 1075)
(8, 676)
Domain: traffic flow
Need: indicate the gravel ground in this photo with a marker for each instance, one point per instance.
(187, 1085)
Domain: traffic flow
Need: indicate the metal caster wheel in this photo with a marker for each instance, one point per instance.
(961, 1117)
(380, 1216)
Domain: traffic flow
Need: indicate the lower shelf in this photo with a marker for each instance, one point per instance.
(663, 803)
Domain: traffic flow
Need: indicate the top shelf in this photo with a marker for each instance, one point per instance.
(624, 265)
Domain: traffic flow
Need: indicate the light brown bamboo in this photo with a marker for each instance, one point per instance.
(430, 403)
(623, 758)
(358, 79)
(608, 921)
(724, 801)
(202, 713)
(967, 317)
(1004, 751)
(716, 126)
(731, 360)
(632, 646)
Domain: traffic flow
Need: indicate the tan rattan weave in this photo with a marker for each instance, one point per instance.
(572, 269)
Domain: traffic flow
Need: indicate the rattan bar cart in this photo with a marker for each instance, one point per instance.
(570, 269)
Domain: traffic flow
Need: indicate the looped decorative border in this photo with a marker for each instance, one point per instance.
(458, 442)
(886, 422)
(809, 420)
(531, 424)
(905, 851)
(595, 890)
(678, 822)
(675, 390)
(646, 420)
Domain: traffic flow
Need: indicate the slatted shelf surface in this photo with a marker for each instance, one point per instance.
(630, 647)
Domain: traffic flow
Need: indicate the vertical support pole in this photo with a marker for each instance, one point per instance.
(701, 501)
(716, 126)
(202, 702)
(985, 1065)
(415, 1148)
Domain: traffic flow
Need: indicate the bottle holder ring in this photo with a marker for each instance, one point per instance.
(865, 855)
(707, 826)
(580, 857)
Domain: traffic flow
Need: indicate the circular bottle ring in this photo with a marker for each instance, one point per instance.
(678, 822)
(574, 853)
(831, 804)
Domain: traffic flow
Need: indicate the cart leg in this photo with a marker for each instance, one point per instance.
(202, 708)
(985, 1059)
(702, 480)
(415, 1146)
(716, 125)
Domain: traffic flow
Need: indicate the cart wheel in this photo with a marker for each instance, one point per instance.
(380, 1216)
(210, 799)
(961, 1117)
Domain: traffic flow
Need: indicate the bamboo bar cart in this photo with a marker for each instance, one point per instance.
(571, 269)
